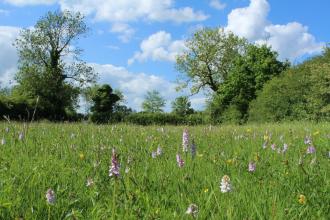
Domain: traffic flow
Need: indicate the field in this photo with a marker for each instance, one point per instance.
(287, 180)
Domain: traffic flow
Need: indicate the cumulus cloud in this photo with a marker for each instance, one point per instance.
(135, 85)
(158, 47)
(217, 4)
(291, 40)
(8, 54)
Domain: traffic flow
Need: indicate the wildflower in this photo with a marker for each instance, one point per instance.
(127, 169)
(81, 156)
(50, 196)
(310, 150)
(185, 140)
(179, 160)
(285, 148)
(153, 154)
(21, 136)
(256, 157)
(3, 141)
(273, 146)
(193, 149)
(192, 210)
(114, 169)
(72, 135)
(252, 167)
(206, 190)
(302, 199)
(90, 182)
(159, 151)
(264, 145)
(308, 140)
(225, 185)
(7, 129)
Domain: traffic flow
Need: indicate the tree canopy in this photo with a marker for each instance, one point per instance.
(49, 63)
(208, 59)
(153, 102)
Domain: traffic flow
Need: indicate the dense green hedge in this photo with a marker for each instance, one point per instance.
(143, 118)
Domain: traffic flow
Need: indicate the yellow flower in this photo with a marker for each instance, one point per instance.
(81, 156)
(256, 157)
(316, 133)
(302, 199)
(206, 190)
(229, 162)
(266, 137)
(248, 130)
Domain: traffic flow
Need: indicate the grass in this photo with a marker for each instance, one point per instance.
(63, 156)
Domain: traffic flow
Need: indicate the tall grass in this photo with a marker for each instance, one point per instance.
(63, 157)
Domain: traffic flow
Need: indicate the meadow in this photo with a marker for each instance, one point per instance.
(86, 171)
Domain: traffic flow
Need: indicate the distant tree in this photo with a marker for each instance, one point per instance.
(208, 59)
(44, 69)
(182, 106)
(103, 103)
(153, 102)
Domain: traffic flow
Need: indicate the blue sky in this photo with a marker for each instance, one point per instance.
(133, 43)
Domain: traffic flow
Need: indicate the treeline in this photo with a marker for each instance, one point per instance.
(245, 82)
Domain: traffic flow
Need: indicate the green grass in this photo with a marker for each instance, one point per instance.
(63, 156)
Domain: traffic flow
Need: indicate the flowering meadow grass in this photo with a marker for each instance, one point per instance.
(83, 171)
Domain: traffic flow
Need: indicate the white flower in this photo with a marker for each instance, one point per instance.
(90, 182)
(192, 210)
(50, 196)
(3, 141)
(225, 185)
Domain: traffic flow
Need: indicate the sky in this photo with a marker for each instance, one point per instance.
(132, 44)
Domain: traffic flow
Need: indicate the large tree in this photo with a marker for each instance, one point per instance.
(49, 63)
(153, 102)
(208, 58)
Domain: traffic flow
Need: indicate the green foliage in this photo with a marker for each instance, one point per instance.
(208, 59)
(153, 102)
(43, 72)
(63, 156)
(182, 106)
(103, 103)
(301, 93)
(250, 72)
(147, 118)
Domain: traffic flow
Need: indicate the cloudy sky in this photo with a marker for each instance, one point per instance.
(133, 43)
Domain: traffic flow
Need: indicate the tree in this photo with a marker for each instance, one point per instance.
(208, 59)
(104, 101)
(251, 70)
(182, 106)
(44, 69)
(153, 102)
(300, 93)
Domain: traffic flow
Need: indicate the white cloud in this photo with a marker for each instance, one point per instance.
(122, 11)
(8, 54)
(251, 21)
(124, 30)
(135, 85)
(217, 4)
(291, 40)
(158, 47)
(30, 2)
